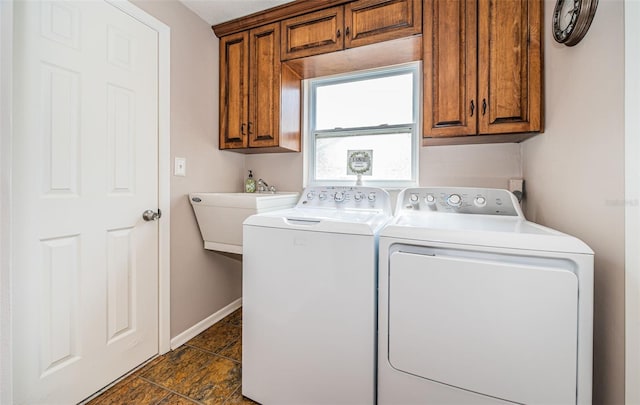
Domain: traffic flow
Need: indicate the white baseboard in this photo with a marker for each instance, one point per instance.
(204, 324)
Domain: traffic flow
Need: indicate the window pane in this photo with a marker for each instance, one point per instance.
(365, 103)
(391, 156)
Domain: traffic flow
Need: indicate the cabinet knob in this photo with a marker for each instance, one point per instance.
(346, 31)
(242, 129)
(473, 107)
(484, 106)
(338, 34)
(249, 127)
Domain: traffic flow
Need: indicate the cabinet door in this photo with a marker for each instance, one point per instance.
(313, 33)
(234, 90)
(449, 66)
(510, 65)
(264, 76)
(371, 21)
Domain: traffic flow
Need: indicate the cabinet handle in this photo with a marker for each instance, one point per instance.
(346, 31)
(249, 127)
(338, 34)
(473, 107)
(242, 128)
(484, 106)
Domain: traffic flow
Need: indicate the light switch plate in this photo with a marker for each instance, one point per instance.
(180, 167)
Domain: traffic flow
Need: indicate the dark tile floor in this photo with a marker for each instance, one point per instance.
(205, 370)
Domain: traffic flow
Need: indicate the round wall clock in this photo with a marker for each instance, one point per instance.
(572, 19)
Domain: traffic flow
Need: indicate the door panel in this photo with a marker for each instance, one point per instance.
(234, 90)
(60, 297)
(121, 271)
(371, 21)
(264, 105)
(85, 264)
(120, 140)
(450, 85)
(313, 33)
(60, 133)
(498, 328)
(510, 79)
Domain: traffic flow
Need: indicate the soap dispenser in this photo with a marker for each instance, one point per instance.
(250, 183)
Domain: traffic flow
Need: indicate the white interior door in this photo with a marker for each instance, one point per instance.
(85, 264)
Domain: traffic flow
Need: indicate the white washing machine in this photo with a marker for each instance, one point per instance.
(309, 298)
(477, 305)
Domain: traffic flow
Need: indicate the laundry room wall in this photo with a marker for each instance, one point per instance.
(202, 281)
(575, 173)
(464, 165)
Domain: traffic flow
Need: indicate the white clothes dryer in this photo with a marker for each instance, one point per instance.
(309, 298)
(477, 305)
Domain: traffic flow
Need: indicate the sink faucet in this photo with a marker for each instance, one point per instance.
(263, 187)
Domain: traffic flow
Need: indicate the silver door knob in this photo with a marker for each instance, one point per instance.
(149, 215)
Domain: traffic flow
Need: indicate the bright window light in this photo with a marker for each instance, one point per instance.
(375, 111)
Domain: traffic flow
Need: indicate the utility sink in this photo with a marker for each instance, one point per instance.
(220, 215)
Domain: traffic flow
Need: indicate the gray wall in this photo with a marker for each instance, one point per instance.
(469, 165)
(202, 282)
(575, 173)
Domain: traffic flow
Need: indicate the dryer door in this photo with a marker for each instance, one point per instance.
(505, 327)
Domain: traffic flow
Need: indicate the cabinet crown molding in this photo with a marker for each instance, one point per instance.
(274, 14)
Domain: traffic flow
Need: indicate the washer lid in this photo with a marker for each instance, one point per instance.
(362, 222)
(482, 230)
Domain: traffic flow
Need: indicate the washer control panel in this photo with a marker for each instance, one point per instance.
(463, 200)
(350, 197)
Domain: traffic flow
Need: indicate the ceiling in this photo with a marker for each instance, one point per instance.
(218, 11)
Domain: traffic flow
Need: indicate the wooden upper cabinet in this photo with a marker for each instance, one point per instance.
(234, 90)
(449, 67)
(253, 85)
(510, 76)
(274, 96)
(372, 21)
(497, 92)
(264, 77)
(355, 24)
(313, 33)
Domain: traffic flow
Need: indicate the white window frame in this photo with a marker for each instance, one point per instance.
(310, 86)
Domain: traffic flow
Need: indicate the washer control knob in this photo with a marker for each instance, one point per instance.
(371, 196)
(454, 200)
(480, 201)
(430, 199)
(311, 195)
(323, 196)
(339, 196)
(414, 198)
(358, 196)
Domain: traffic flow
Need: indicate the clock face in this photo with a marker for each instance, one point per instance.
(565, 16)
